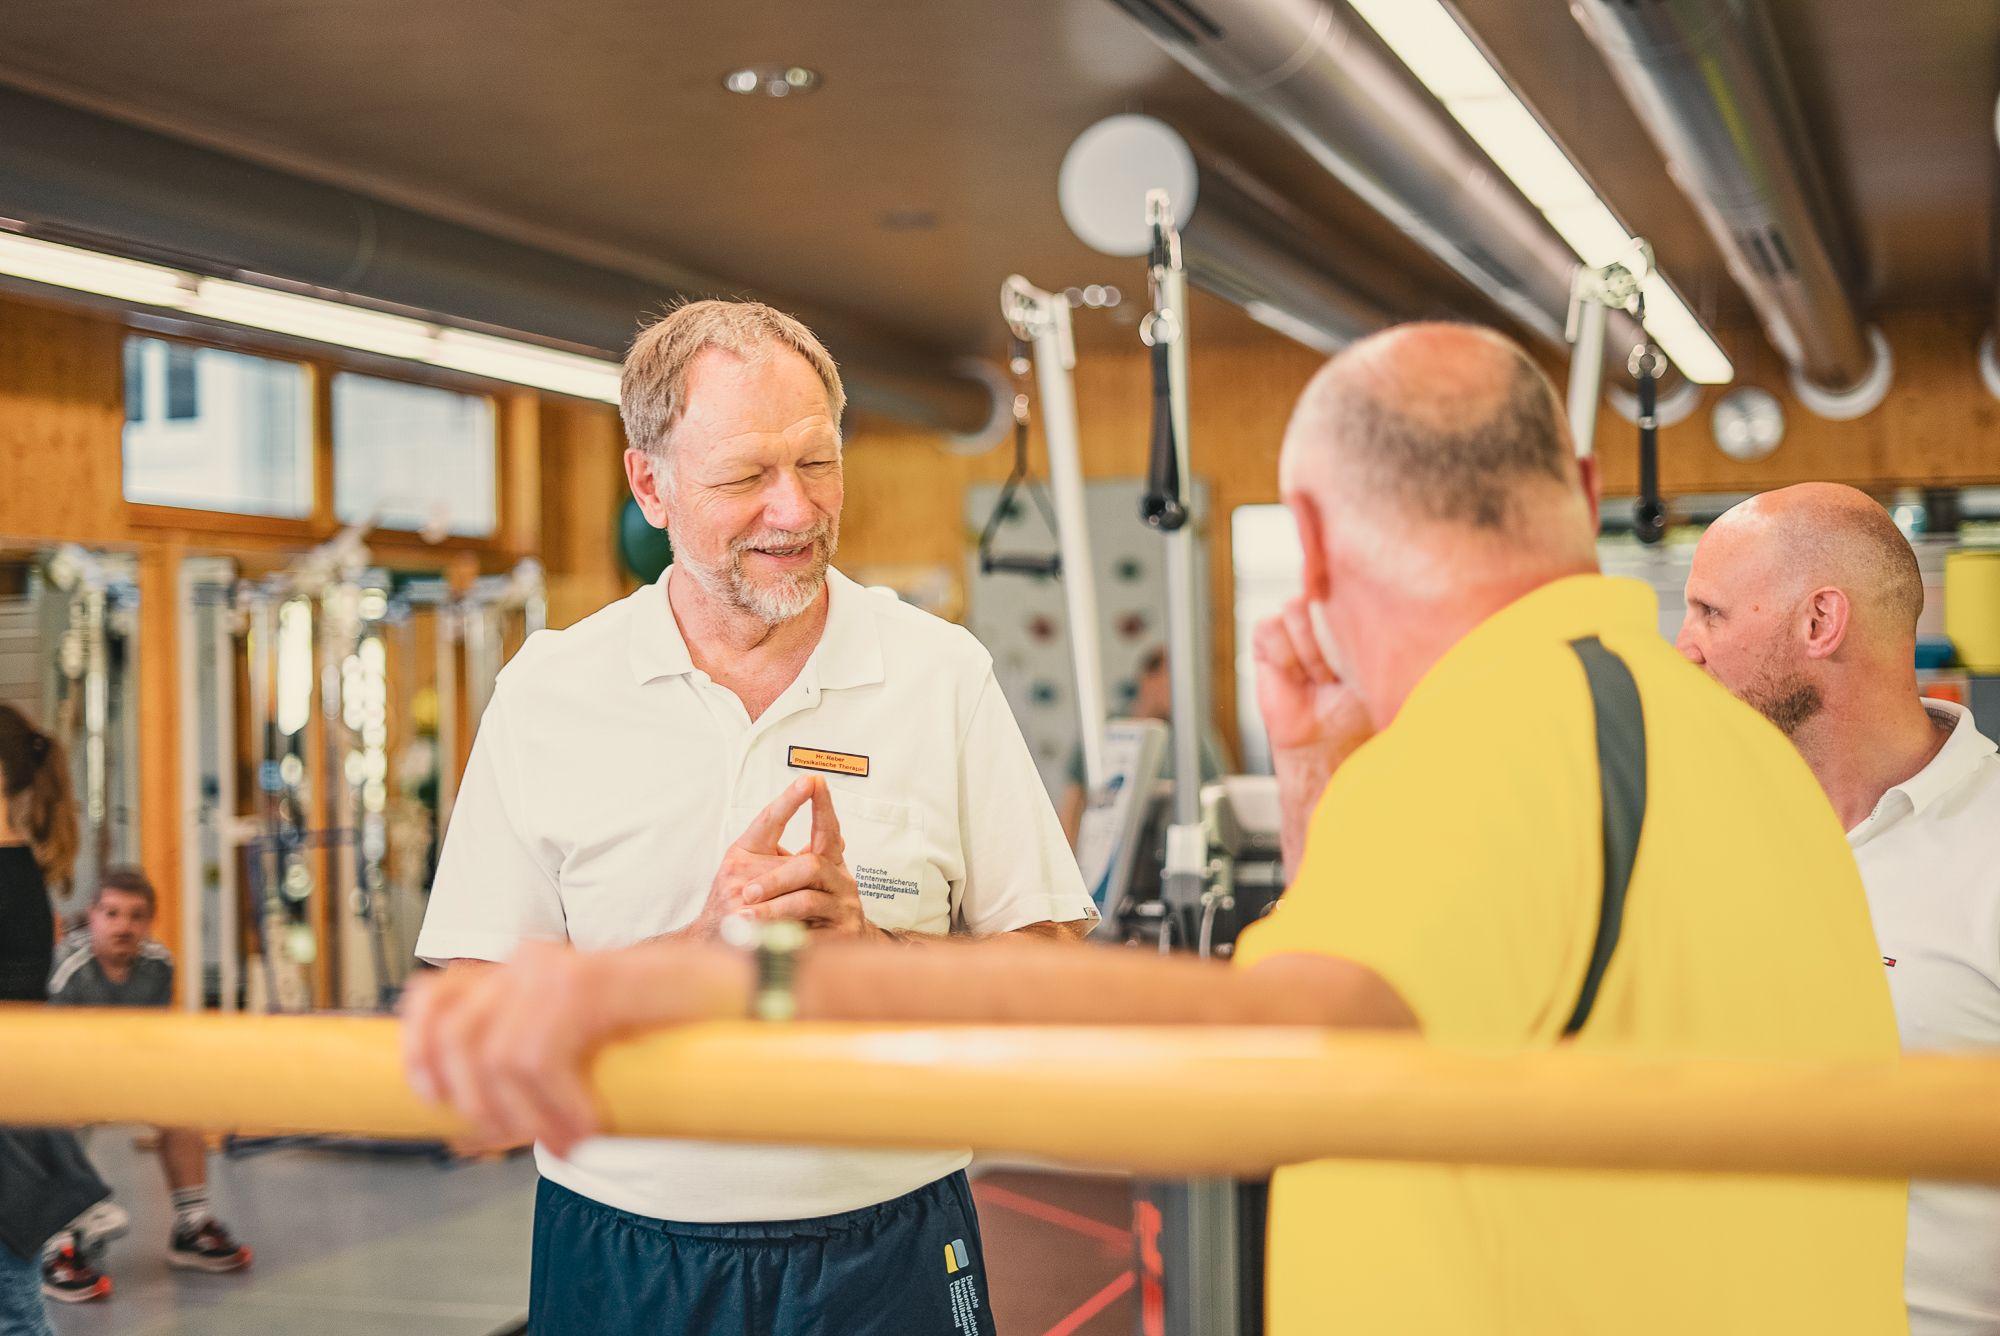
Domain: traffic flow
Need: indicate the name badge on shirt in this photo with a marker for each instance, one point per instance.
(831, 762)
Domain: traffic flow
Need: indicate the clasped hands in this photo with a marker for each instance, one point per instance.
(761, 879)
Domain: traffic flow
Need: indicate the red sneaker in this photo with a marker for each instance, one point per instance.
(207, 1247)
(68, 1279)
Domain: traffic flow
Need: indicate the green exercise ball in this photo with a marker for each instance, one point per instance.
(645, 550)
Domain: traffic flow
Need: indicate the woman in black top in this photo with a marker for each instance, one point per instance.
(45, 1180)
(38, 841)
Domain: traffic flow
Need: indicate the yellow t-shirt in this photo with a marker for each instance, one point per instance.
(1459, 855)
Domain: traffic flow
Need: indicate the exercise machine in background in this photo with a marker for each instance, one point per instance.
(1594, 294)
(1040, 324)
(1173, 864)
(69, 661)
(324, 709)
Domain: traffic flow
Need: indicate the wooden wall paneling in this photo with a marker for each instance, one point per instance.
(1937, 427)
(582, 487)
(519, 416)
(319, 386)
(62, 416)
(161, 809)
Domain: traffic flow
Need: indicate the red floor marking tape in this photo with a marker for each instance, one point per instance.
(1054, 1215)
(1092, 1306)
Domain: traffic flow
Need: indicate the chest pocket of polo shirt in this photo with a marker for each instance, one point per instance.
(901, 886)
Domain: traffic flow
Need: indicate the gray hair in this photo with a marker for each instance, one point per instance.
(652, 393)
(1452, 456)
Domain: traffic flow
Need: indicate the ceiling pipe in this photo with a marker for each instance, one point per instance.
(1706, 79)
(1241, 241)
(1317, 73)
(74, 176)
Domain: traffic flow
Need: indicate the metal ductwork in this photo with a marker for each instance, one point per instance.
(70, 175)
(1242, 242)
(1317, 73)
(1706, 78)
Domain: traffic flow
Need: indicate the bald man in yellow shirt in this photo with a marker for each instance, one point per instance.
(1517, 817)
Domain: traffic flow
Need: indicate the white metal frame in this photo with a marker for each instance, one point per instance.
(1042, 321)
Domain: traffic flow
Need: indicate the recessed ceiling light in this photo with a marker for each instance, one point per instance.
(771, 80)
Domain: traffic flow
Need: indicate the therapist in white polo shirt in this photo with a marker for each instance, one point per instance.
(653, 769)
(1804, 602)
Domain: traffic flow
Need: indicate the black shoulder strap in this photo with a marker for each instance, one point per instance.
(1621, 772)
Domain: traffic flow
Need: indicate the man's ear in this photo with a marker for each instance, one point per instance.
(1316, 580)
(1593, 488)
(1825, 616)
(642, 475)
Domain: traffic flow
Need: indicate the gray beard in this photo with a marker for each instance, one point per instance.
(776, 601)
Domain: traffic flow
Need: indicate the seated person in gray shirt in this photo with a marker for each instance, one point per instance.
(122, 966)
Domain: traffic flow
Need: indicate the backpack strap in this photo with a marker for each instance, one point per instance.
(1621, 773)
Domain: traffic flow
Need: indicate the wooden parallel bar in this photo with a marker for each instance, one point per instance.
(1237, 1101)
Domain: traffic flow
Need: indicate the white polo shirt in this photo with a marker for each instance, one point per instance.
(1930, 857)
(609, 775)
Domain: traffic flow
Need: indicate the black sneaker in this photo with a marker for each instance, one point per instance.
(68, 1279)
(207, 1247)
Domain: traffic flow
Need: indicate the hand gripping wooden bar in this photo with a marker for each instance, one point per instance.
(1207, 1101)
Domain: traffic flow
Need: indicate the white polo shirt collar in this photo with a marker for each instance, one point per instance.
(849, 653)
(1960, 756)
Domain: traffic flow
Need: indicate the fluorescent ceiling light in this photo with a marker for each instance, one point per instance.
(1426, 36)
(527, 364)
(313, 318)
(316, 319)
(87, 271)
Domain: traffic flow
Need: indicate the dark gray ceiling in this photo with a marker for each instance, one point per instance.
(600, 127)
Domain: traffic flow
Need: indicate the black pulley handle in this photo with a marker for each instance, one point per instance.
(1649, 516)
(998, 563)
(1162, 506)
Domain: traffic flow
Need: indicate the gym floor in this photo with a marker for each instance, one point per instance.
(375, 1245)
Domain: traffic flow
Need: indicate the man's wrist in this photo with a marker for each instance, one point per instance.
(674, 982)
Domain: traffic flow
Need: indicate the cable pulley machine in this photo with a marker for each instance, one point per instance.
(1594, 294)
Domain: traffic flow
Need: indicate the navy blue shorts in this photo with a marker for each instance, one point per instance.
(908, 1267)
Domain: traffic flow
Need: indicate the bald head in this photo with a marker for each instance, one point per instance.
(1444, 423)
(1805, 599)
(1433, 484)
(1823, 534)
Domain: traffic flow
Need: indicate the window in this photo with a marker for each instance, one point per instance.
(183, 384)
(1264, 544)
(413, 457)
(216, 430)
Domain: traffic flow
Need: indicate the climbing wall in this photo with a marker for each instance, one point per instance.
(1021, 620)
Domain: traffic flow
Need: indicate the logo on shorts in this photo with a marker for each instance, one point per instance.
(962, 1290)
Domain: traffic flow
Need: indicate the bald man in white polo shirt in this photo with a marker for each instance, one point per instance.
(1804, 602)
(637, 774)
